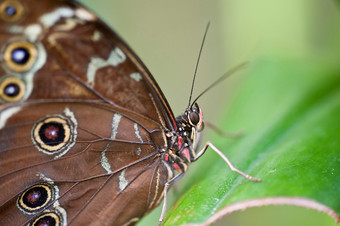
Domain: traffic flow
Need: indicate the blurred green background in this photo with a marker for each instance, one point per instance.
(167, 35)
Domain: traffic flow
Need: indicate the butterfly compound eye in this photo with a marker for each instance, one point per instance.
(194, 118)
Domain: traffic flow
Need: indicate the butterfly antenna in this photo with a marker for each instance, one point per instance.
(198, 60)
(224, 76)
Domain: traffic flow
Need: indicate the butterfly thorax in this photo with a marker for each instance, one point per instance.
(183, 141)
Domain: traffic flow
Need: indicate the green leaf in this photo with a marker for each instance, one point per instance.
(289, 112)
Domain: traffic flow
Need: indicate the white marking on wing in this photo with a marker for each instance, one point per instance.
(84, 14)
(16, 29)
(104, 161)
(49, 19)
(122, 181)
(96, 36)
(32, 32)
(69, 24)
(6, 114)
(137, 132)
(136, 76)
(116, 57)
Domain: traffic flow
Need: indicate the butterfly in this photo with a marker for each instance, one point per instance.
(86, 134)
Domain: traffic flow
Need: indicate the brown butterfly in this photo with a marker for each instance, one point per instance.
(86, 134)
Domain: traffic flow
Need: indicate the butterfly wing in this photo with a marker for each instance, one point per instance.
(111, 171)
(82, 121)
(74, 55)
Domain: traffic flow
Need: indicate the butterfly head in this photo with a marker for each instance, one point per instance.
(185, 140)
(195, 117)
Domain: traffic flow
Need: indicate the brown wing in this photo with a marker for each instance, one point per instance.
(82, 121)
(74, 55)
(108, 170)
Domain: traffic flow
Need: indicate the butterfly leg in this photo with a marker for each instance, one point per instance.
(166, 187)
(220, 153)
(233, 135)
